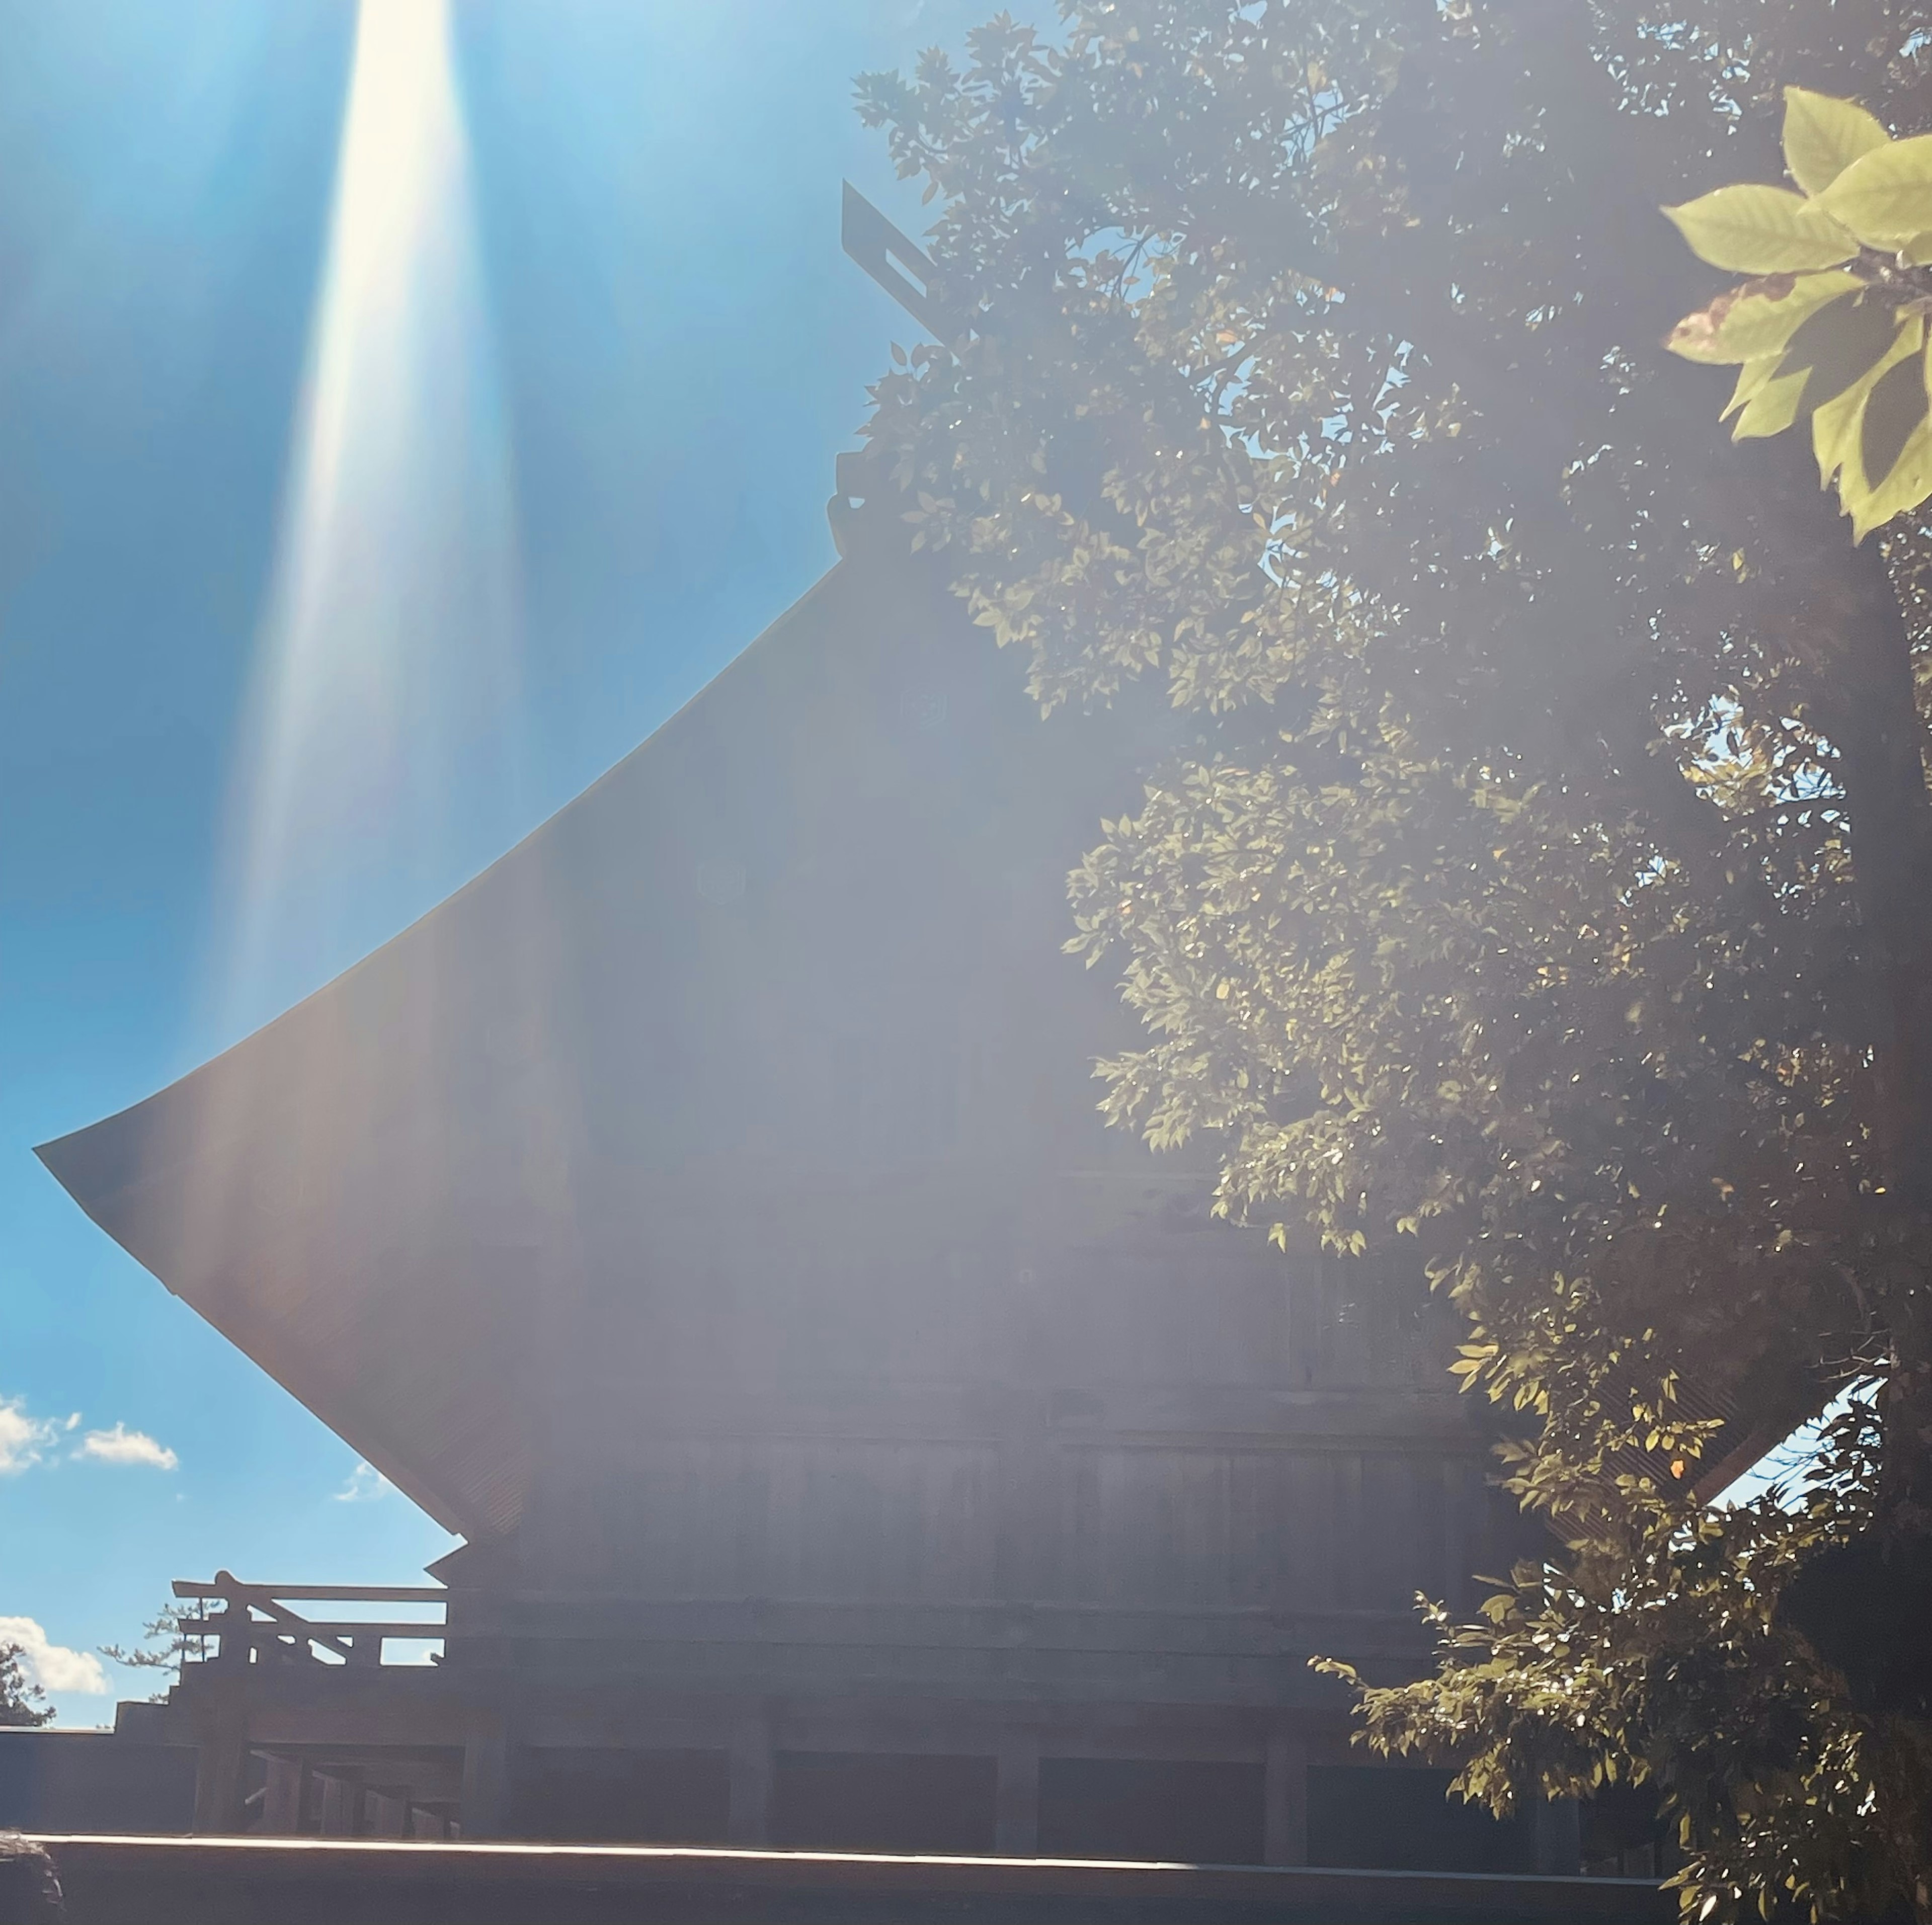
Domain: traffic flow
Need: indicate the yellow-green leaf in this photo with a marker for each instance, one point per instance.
(1752, 378)
(1837, 423)
(1772, 408)
(1908, 484)
(1893, 411)
(1917, 252)
(1755, 229)
(1757, 317)
(1837, 347)
(1886, 197)
(1824, 135)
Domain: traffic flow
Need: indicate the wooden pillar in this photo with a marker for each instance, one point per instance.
(486, 1755)
(232, 1626)
(341, 1805)
(1284, 1799)
(386, 1814)
(1016, 1796)
(220, 1758)
(750, 1821)
(1558, 1835)
(282, 1795)
(1457, 1585)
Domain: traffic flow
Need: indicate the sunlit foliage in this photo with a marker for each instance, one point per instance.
(1830, 329)
(1548, 901)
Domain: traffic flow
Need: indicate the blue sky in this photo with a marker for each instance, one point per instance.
(680, 349)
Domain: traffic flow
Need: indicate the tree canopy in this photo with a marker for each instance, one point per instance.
(1546, 902)
(23, 1702)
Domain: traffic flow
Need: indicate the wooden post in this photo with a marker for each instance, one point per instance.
(1284, 1799)
(386, 1814)
(282, 1796)
(750, 1821)
(340, 1797)
(232, 1624)
(221, 1756)
(486, 1754)
(1558, 1835)
(1016, 1796)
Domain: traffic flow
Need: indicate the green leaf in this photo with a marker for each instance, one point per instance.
(1893, 411)
(1909, 483)
(1771, 408)
(1754, 229)
(1837, 424)
(1917, 252)
(1752, 379)
(1824, 135)
(1757, 317)
(1884, 199)
(1837, 347)
(1893, 471)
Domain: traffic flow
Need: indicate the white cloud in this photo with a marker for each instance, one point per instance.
(52, 1666)
(365, 1482)
(123, 1446)
(23, 1439)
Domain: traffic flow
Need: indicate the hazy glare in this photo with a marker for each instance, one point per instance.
(387, 656)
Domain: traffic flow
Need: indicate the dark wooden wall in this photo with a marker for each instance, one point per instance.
(317, 1882)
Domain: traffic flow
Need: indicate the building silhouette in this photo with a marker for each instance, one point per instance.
(706, 1214)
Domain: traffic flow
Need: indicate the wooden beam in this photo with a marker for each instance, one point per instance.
(317, 1594)
(899, 265)
(323, 1630)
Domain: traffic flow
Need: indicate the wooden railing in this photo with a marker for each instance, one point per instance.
(255, 1624)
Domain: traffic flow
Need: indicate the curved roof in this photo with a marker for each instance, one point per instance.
(394, 1197)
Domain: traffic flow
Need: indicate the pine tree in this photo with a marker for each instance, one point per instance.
(23, 1702)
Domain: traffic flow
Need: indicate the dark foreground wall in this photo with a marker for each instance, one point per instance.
(94, 1781)
(301, 1881)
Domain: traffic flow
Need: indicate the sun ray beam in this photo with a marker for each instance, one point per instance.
(379, 766)
(385, 680)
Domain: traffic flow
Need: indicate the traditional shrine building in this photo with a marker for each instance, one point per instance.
(706, 1214)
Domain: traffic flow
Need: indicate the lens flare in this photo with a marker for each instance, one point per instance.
(378, 770)
(384, 690)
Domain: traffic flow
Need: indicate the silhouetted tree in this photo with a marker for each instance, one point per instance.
(162, 1644)
(22, 1701)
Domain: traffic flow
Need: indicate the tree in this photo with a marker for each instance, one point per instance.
(23, 1702)
(1545, 901)
(163, 1643)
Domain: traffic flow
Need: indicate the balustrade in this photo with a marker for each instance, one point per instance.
(256, 1623)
